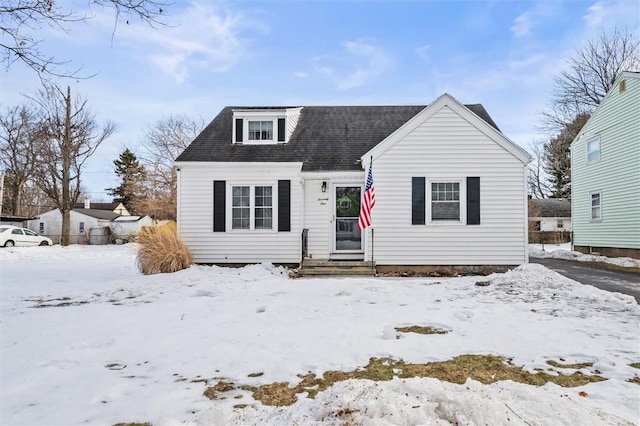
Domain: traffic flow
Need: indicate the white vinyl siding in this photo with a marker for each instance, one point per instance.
(616, 122)
(195, 213)
(448, 148)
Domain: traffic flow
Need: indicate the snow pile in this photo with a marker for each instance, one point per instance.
(563, 252)
(422, 402)
(86, 338)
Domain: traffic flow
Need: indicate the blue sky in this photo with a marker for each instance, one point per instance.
(503, 54)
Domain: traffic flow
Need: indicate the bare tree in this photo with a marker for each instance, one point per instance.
(537, 179)
(21, 20)
(69, 135)
(578, 91)
(162, 143)
(17, 155)
(590, 74)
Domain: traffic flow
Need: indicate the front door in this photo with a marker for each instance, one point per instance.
(348, 239)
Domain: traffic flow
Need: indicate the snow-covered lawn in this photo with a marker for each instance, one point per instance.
(87, 339)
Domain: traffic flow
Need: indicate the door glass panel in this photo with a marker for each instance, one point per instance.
(348, 237)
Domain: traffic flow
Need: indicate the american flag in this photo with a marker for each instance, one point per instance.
(368, 201)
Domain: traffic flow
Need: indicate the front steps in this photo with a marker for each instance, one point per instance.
(315, 268)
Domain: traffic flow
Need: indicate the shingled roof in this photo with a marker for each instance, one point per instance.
(550, 207)
(98, 214)
(326, 137)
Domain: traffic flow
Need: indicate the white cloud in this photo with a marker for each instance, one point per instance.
(524, 24)
(606, 12)
(376, 63)
(423, 51)
(198, 37)
(359, 63)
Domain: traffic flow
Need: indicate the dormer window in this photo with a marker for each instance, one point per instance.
(264, 126)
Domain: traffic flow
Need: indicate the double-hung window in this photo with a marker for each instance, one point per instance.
(252, 207)
(260, 130)
(593, 149)
(263, 207)
(445, 201)
(596, 206)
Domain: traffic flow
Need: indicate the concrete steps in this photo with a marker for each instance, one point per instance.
(312, 267)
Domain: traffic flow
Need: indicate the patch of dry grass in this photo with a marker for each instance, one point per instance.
(635, 365)
(483, 368)
(161, 251)
(421, 330)
(635, 380)
(213, 392)
(575, 366)
(133, 424)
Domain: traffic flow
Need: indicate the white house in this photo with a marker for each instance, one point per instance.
(126, 227)
(88, 226)
(277, 184)
(551, 214)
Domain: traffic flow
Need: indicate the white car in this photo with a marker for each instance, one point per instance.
(13, 236)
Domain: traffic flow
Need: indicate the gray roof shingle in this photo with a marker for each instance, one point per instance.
(326, 138)
(550, 207)
(98, 206)
(98, 214)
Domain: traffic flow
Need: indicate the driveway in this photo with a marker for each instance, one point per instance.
(605, 279)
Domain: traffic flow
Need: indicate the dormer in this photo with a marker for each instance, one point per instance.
(264, 126)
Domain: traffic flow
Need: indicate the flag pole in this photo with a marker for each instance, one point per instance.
(372, 244)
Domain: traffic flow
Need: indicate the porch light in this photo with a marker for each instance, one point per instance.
(324, 186)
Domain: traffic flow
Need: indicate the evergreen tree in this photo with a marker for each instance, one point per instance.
(132, 175)
(557, 157)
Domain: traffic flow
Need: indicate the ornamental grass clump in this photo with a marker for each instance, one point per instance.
(161, 251)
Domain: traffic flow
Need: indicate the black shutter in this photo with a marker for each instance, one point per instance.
(239, 129)
(417, 201)
(281, 129)
(284, 205)
(473, 201)
(219, 210)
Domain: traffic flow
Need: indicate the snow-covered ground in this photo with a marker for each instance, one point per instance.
(87, 339)
(563, 251)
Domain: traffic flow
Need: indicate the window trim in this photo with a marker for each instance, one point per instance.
(462, 202)
(599, 152)
(591, 206)
(252, 206)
